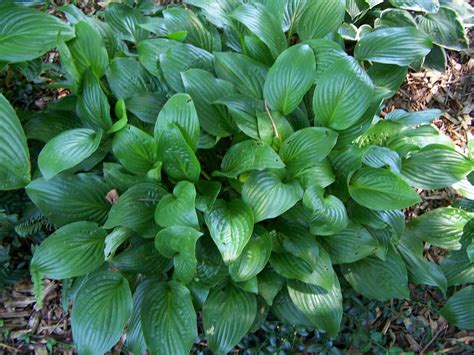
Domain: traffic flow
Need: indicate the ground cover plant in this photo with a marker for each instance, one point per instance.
(226, 159)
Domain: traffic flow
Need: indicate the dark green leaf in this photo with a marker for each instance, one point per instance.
(70, 198)
(101, 309)
(125, 22)
(459, 309)
(269, 284)
(380, 189)
(417, 5)
(228, 315)
(320, 19)
(290, 78)
(168, 318)
(14, 154)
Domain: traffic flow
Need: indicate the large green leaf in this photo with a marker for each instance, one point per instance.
(88, 50)
(20, 37)
(179, 19)
(254, 257)
(420, 270)
(269, 284)
(230, 225)
(168, 318)
(323, 308)
(246, 74)
(326, 53)
(307, 147)
(289, 78)
(14, 154)
(101, 308)
(135, 150)
(70, 198)
(149, 52)
(228, 315)
(125, 22)
(180, 110)
(180, 57)
(459, 309)
(320, 18)
(442, 227)
(380, 189)
(92, 104)
(135, 339)
(329, 214)
(268, 195)
(179, 160)
(249, 155)
(393, 45)
(343, 94)
(433, 168)
(135, 209)
(142, 258)
(446, 28)
(179, 243)
(67, 150)
(73, 250)
(417, 5)
(378, 279)
(179, 208)
(286, 311)
(258, 20)
(205, 89)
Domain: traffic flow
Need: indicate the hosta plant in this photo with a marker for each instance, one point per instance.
(223, 160)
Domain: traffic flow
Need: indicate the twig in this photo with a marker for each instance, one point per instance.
(443, 328)
(3, 345)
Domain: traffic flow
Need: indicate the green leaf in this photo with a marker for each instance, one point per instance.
(230, 225)
(393, 45)
(88, 50)
(323, 308)
(380, 189)
(67, 150)
(343, 94)
(178, 209)
(101, 309)
(249, 155)
(116, 176)
(254, 257)
(246, 74)
(457, 268)
(215, 11)
(149, 52)
(135, 339)
(320, 18)
(459, 309)
(436, 59)
(289, 78)
(420, 270)
(205, 90)
(128, 78)
(379, 157)
(350, 245)
(414, 118)
(179, 243)
(388, 76)
(92, 104)
(211, 270)
(180, 110)
(70, 198)
(14, 154)
(178, 19)
(269, 284)
(135, 209)
(329, 214)
(258, 20)
(207, 194)
(125, 22)
(268, 195)
(168, 318)
(45, 125)
(307, 147)
(142, 258)
(135, 150)
(395, 18)
(326, 53)
(304, 260)
(378, 279)
(178, 58)
(433, 168)
(228, 315)
(179, 160)
(20, 39)
(442, 227)
(417, 5)
(73, 250)
(286, 311)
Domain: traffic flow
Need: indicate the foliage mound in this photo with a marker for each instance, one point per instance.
(244, 168)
